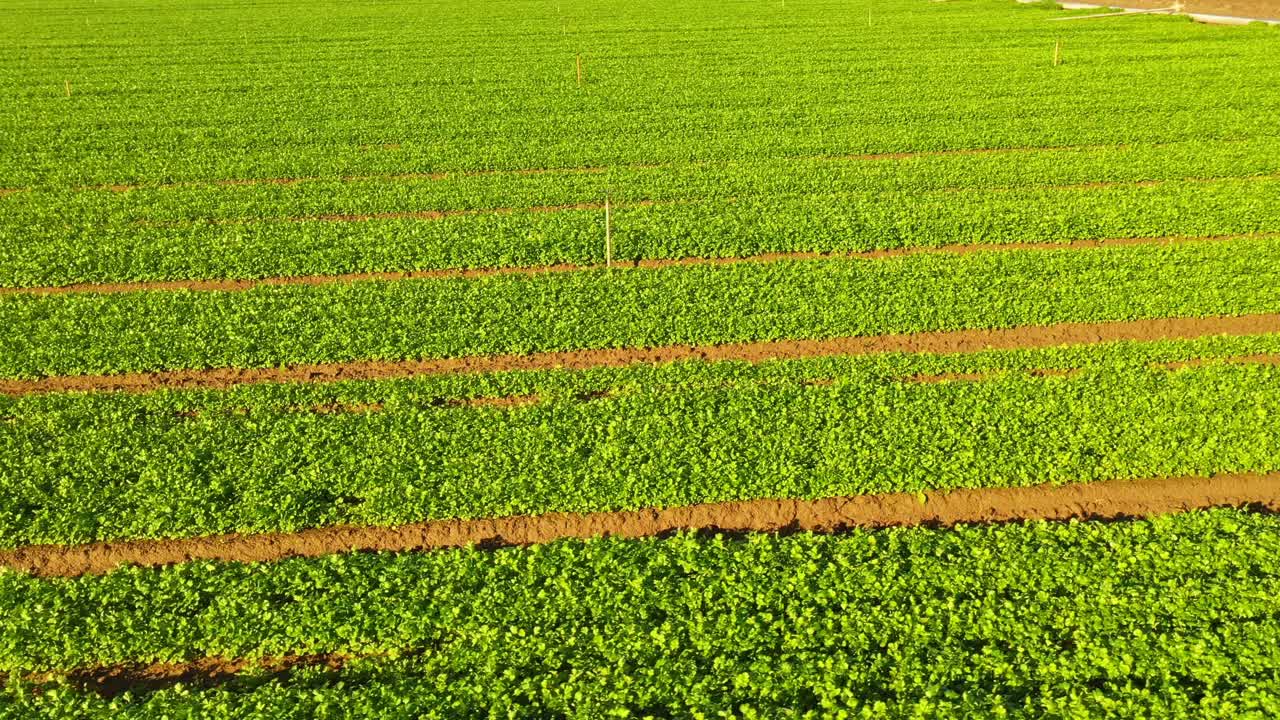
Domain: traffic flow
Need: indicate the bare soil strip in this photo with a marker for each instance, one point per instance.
(1260, 9)
(224, 285)
(942, 342)
(205, 672)
(1114, 499)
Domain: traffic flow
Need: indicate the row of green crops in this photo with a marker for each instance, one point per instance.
(717, 129)
(1172, 617)
(270, 326)
(130, 92)
(736, 178)
(82, 468)
(55, 239)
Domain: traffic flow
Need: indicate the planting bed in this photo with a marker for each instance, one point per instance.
(693, 359)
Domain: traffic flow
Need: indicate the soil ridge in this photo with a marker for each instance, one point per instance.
(1099, 500)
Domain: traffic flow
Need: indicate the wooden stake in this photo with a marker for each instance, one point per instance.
(68, 83)
(608, 233)
(1057, 53)
(579, 71)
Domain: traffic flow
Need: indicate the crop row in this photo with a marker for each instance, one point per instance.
(738, 178)
(77, 468)
(1174, 617)
(705, 213)
(272, 326)
(499, 88)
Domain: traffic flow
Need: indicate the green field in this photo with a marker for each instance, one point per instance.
(368, 265)
(1157, 619)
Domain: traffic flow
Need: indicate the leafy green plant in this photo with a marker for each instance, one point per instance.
(1174, 617)
(272, 326)
(78, 468)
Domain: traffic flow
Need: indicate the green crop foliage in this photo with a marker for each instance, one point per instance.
(271, 326)
(194, 93)
(726, 209)
(695, 103)
(77, 468)
(206, 140)
(1173, 617)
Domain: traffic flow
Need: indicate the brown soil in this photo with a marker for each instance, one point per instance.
(655, 264)
(1262, 9)
(202, 672)
(1097, 500)
(946, 341)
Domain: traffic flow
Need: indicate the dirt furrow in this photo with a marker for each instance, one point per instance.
(204, 672)
(942, 341)
(234, 285)
(1112, 499)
